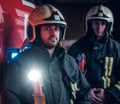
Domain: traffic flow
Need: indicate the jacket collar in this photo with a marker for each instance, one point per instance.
(58, 52)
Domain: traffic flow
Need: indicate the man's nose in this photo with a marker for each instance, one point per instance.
(99, 25)
(52, 31)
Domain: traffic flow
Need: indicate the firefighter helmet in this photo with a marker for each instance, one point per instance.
(102, 13)
(46, 14)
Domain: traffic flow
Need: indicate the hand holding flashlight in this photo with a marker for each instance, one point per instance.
(36, 77)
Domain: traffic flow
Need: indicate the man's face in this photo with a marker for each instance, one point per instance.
(99, 27)
(50, 35)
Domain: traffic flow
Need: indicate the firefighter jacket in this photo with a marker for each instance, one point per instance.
(101, 64)
(63, 82)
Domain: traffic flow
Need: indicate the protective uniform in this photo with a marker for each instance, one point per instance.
(101, 58)
(63, 82)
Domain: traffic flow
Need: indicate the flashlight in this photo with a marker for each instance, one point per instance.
(36, 77)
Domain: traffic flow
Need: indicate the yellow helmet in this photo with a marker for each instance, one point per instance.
(100, 12)
(46, 14)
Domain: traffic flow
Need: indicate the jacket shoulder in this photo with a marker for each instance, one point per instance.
(113, 44)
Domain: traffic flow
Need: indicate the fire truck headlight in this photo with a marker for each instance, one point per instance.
(34, 75)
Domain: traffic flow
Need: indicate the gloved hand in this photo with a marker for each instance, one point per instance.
(97, 95)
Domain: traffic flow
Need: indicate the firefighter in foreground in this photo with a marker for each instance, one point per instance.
(63, 82)
(100, 55)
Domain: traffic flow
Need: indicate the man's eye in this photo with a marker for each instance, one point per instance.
(47, 28)
(57, 28)
(103, 23)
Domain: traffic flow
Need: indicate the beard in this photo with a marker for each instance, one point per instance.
(51, 42)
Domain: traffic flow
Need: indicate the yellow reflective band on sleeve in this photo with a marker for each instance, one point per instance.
(74, 89)
(117, 85)
(106, 66)
(104, 81)
(110, 66)
(108, 71)
(71, 101)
